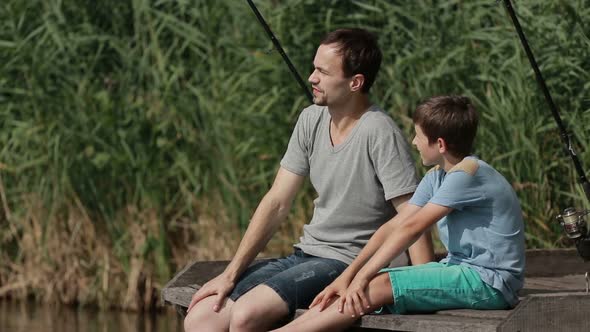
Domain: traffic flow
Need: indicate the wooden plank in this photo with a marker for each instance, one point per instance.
(560, 284)
(429, 322)
(483, 314)
(554, 262)
(180, 296)
(197, 273)
(550, 312)
(439, 323)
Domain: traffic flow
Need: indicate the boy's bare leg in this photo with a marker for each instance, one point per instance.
(202, 317)
(330, 319)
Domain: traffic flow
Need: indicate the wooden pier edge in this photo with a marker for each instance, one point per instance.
(554, 299)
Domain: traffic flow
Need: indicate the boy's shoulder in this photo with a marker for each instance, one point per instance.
(436, 168)
(467, 165)
(463, 171)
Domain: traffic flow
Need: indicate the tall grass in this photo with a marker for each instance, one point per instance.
(137, 135)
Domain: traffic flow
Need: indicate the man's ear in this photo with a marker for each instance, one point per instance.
(442, 145)
(357, 82)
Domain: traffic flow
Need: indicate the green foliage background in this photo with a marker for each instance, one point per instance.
(183, 109)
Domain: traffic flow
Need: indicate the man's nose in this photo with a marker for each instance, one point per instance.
(312, 78)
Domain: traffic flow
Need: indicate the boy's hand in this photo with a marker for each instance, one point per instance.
(336, 288)
(356, 298)
(220, 286)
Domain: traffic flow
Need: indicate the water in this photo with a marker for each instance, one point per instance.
(30, 316)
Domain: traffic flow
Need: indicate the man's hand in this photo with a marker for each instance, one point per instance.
(336, 288)
(220, 286)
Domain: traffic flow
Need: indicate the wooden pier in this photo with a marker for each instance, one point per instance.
(554, 298)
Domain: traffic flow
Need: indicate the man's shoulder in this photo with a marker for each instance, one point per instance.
(377, 121)
(311, 118)
(312, 113)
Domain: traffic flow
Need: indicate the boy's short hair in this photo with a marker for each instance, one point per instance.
(452, 118)
(360, 53)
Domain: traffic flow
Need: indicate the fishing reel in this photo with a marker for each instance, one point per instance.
(575, 227)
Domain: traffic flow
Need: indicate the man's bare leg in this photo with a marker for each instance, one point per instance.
(202, 317)
(258, 310)
(330, 319)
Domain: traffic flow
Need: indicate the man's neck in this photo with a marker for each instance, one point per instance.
(345, 115)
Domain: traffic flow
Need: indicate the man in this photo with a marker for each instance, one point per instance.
(361, 168)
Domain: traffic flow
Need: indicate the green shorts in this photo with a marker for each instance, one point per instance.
(438, 286)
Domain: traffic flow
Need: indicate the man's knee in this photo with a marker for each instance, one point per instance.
(202, 318)
(194, 321)
(243, 317)
(258, 309)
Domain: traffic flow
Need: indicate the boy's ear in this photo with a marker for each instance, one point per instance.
(442, 145)
(357, 82)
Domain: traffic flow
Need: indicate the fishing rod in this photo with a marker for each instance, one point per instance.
(571, 220)
(276, 43)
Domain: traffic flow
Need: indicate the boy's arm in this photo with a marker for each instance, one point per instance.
(403, 234)
(422, 251)
(273, 209)
(404, 211)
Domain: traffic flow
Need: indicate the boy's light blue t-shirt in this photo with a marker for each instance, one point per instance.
(485, 230)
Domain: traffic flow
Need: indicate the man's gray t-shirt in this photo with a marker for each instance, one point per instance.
(354, 180)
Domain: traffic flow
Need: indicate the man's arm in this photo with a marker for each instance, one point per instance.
(271, 211)
(422, 251)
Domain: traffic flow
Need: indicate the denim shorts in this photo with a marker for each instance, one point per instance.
(438, 286)
(297, 278)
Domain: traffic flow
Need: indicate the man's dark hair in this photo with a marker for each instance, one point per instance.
(360, 53)
(452, 118)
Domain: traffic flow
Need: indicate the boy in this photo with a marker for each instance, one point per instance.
(479, 221)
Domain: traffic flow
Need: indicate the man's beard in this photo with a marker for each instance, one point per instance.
(319, 101)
